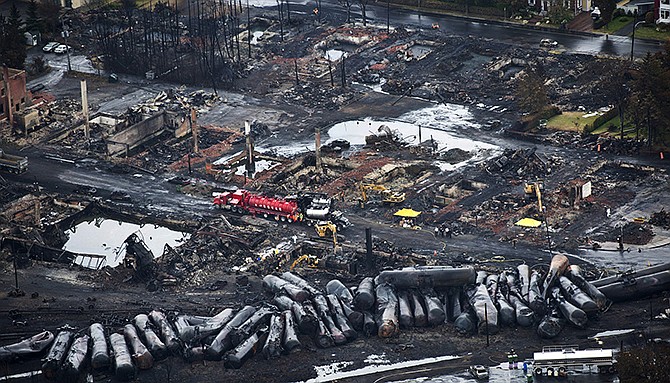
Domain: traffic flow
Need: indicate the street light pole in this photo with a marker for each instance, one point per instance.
(388, 16)
(66, 33)
(632, 42)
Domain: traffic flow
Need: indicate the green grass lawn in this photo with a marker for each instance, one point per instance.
(628, 129)
(570, 121)
(650, 32)
(616, 24)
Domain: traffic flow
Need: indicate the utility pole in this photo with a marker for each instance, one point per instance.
(248, 29)
(295, 64)
(10, 104)
(193, 121)
(317, 145)
(546, 225)
(344, 78)
(84, 109)
(388, 16)
(281, 20)
(250, 166)
(65, 35)
(330, 71)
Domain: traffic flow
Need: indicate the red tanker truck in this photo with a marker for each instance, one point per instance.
(304, 207)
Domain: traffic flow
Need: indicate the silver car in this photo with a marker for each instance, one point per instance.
(50, 46)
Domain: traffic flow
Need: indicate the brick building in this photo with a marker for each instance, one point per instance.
(13, 94)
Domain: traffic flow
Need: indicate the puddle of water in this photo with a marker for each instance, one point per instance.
(261, 165)
(335, 54)
(432, 125)
(255, 36)
(448, 124)
(106, 236)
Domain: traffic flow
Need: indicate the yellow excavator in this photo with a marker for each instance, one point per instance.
(534, 188)
(323, 227)
(305, 260)
(387, 196)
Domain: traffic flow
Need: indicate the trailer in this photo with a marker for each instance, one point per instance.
(557, 360)
(306, 207)
(12, 163)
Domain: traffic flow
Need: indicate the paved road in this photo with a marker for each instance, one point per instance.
(332, 11)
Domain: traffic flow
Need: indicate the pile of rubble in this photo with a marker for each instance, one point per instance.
(660, 218)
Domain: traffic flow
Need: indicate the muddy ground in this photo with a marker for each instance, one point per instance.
(481, 201)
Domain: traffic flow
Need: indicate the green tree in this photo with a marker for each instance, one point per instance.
(49, 11)
(651, 89)
(613, 85)
(559, 13)
(515, 7)
(531, 93)
(33, 20)
(12, 41)
(606, 7)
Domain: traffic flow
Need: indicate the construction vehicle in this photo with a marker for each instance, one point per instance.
(323, 227)
(305, 260)
(529, 187)
(534, 189)
(13, 164)
(307, 207)
(387, 196)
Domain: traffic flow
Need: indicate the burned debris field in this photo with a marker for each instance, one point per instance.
(330, 202)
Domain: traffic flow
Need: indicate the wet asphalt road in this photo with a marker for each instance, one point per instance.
(514, 34)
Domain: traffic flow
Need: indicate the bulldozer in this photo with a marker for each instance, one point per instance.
(387, 196)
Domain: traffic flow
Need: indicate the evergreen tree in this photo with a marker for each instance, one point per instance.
(12, 41)
(606, 7)
(48, 11)
(531, 92)
(33, 20)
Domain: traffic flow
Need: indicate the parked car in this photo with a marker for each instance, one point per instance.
(62, 48)
(548, 43)
(37, 88)
(50, 47)
(479, 372)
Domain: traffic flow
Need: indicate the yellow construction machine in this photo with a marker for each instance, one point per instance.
(387, 196)
(534, 189)
(323, 227)
(305, 260)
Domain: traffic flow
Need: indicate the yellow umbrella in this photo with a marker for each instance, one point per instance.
(528, 222)
(407, 213)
